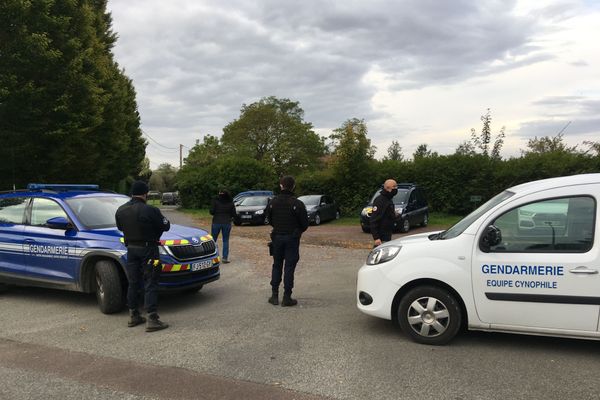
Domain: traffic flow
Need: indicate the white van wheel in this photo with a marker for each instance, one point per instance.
(430, 315)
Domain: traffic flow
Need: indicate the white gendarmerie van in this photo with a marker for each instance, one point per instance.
(527, 261)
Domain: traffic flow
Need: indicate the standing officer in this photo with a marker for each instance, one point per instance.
(384, 213)
(289, 219)
(223, 211)
(142, 226)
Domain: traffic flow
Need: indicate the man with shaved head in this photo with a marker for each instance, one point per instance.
(384, 213)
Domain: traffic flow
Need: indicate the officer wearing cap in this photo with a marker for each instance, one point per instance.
(384, 213)
(289, 219)
(142, 226)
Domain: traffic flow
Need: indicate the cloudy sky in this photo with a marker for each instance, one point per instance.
(417, 71)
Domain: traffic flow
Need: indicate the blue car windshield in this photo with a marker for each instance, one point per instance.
(97, 212)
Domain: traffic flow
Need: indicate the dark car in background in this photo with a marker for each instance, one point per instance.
(320, 208)
(411, 208)
(169, 198)
(252, 210)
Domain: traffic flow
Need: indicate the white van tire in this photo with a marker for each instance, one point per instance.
(430, 315)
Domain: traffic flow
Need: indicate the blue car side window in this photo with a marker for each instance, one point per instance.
(12, 210)
(45, 209)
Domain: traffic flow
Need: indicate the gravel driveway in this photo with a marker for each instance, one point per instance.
(227, 342)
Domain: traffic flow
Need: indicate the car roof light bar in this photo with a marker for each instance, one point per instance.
(61, 187)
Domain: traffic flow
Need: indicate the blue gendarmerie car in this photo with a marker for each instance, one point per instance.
(65, 237)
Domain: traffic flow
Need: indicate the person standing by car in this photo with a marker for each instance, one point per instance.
(384, 213)
(223, 210)
(287, 215)
(142, 226)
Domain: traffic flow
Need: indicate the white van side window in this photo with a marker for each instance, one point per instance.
(560, 225)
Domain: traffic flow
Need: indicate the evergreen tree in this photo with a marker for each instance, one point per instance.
(67, 112)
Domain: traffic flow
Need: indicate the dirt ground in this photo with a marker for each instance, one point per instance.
(326, 234)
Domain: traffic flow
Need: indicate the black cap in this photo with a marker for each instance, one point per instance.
(139, 188)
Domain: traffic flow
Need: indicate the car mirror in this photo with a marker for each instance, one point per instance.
(59, 223)
(323, 204)
(492, 236)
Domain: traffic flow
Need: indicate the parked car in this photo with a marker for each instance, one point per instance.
(411, 208)
(240, 196)
(320, 208)
(251, 210)
(65, 237)
(495, 270)
(169, 198)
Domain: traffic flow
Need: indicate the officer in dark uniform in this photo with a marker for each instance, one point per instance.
(289, 219)
(384, 213)
(142, 226)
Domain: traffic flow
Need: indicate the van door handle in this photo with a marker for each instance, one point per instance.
(583, 270)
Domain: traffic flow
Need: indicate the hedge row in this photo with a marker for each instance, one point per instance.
(449, 181)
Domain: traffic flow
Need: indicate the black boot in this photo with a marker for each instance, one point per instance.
(288, 301)
(154, 324)
(274, 299)
(135, 318)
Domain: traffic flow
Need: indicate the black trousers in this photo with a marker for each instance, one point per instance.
(286, 253)
(385, 236)
(143, 265)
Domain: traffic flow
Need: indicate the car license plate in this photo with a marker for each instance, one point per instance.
(246, 216)
(201, 265)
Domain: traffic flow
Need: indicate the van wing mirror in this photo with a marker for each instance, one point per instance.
(492, 236)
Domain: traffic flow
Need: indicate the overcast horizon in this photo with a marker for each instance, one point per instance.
(416, 71)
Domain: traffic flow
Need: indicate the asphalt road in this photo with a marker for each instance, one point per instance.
(228, 342)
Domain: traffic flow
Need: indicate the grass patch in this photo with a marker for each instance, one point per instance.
(443, 219)
(435, 218)
(438, 219)
(346, 221)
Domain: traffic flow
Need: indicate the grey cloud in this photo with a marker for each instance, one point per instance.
(582, 127)
(573, 106)
(579, 114)
(579, 63)
(197, 65)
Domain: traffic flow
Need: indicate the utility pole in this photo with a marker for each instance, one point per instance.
(180, 156)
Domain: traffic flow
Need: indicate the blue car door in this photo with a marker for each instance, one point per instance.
(12, 216)
(51, 254)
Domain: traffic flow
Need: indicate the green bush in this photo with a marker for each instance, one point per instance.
(197, 186)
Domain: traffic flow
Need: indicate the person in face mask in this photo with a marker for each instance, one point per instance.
(384, 213)
(223, 210)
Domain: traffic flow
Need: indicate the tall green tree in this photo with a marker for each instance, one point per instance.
(66, 109)
(548, 144)
(353, 163)
(164, 178)
(423, 151)
(483, 140)
(394, 152)
(205, 153)
(273, 131)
